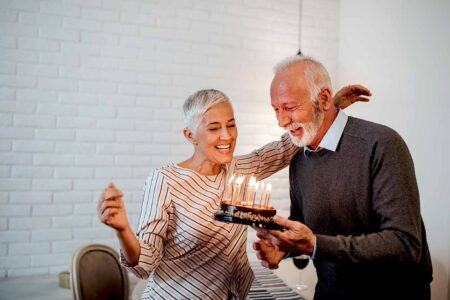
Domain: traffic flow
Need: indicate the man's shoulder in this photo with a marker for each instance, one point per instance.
(370, 132)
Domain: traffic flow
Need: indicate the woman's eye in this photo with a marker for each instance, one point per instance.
(292, 108)
(231, 125)
(213, 129)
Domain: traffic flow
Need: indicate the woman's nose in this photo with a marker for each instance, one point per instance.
(225, 134)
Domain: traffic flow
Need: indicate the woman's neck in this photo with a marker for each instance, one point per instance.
(202, 167)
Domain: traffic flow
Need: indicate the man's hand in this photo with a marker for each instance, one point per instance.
(298, 239)
(350, 94)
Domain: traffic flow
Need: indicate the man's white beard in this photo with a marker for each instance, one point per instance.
(310, 129)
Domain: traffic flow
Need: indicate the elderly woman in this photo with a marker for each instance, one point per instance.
(184, 251)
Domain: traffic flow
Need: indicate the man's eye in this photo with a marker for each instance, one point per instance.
(231, 125)
(213, 129)
(291, 108)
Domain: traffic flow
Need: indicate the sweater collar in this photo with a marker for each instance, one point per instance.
(331, 139)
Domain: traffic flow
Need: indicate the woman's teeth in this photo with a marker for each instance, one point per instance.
(223, 147)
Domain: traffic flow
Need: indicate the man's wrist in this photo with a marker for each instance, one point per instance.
(313, 254)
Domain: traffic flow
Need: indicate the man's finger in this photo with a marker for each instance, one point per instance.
(283, 222)
(362, 90)
(363, 99)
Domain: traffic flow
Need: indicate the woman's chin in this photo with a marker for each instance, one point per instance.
(224, 159)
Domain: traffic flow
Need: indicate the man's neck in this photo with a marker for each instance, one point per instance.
(328, 120)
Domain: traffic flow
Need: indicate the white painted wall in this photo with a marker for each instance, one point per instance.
(91, 92)
(400, 50)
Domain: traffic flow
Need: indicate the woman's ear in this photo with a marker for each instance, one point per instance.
(326, 99)
(189, 136)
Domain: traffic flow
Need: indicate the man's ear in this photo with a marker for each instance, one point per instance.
(189, 136)
(326, 99)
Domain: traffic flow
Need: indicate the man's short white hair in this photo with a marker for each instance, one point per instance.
(198, 103)
(316, 75)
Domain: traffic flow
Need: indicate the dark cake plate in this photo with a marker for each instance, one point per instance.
(258, 224)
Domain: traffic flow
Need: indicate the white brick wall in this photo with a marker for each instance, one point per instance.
(319, 28)
(91, 92)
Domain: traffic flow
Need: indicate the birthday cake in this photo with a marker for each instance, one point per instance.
(240, 205)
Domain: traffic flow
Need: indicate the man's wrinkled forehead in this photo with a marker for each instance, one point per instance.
(287, 86)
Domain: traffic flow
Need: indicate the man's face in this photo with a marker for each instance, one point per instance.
(294, 109)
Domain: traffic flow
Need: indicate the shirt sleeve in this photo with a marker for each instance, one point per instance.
(153, 224)
(266, 160)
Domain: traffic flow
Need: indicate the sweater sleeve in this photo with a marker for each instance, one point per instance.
(395, 204)
(266, 160)
(153, 224)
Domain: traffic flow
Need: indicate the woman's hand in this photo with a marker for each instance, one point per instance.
(111, 209)
(350, 94)
(267, 253)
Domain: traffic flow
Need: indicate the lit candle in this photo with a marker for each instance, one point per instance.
(250, 190)
(237, 189)
(261, 193)
(229, 189)
(254, 194)
(267, 197)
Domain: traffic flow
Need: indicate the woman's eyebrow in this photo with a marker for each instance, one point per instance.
(213, 123)
(218, 123)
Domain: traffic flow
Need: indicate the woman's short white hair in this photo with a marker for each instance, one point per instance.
(198, 103)
(316, 75)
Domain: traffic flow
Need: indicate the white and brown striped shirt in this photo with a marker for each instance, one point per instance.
(184, 251)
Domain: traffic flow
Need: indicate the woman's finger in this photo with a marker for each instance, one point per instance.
(110, 211)
(109, 203)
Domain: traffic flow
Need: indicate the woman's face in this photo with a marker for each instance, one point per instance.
(216, 135)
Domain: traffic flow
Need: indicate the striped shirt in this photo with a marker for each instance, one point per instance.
(185, 253)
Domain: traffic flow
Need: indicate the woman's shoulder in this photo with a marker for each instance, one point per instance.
(165, 171)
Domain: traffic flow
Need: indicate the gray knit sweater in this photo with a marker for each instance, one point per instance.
(362, 202)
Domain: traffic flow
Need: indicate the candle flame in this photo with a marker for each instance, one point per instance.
(269, 187)
(252, 181)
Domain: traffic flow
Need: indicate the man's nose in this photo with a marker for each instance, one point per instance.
(283, 119)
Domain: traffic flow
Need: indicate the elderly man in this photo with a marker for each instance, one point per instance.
(354, 199)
